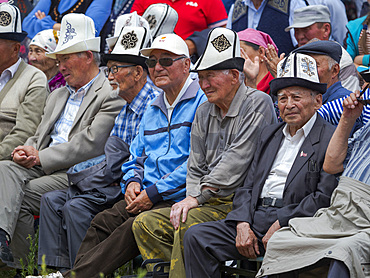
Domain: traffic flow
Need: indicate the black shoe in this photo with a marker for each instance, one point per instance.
(5, 252)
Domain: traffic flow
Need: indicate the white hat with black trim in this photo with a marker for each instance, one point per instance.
(162, 19)
(10, 23)
(297, 70)
(128, 46)
(130, 20)
(222, 51)
(77, 34)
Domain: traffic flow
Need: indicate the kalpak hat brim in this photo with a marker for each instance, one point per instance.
(19, 37)
(92, 44)
(232, 63)
(124, 58)
(285, 82)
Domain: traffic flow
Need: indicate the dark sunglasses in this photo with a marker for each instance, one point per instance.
(164, 62)
(364, 101)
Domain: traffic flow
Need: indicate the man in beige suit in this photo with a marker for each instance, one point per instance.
(22, 87)
(76, 123)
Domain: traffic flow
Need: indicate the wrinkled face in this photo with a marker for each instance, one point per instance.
(304, 35)
(73, 68)
(124, 77)
(172, 76)
(8, 54)
(297, 105)
(37, 58)
(216, 84)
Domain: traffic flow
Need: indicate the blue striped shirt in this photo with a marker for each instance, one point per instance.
(127, 122)
(63, 125)
(357, 163)
(332, 111)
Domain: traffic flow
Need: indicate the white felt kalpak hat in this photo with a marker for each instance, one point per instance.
(77, 34)
(46, 40)
(162, 19)
(10, 23)
(297, 70)
(222, 51)
(128, 46)
(131, 20)
(168, 42)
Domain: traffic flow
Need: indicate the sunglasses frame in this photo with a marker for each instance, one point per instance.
(163, 59)
(114, 69)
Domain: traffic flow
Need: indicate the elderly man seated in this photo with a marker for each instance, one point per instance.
(75, 126)
(46, 42)
(90, 190)
(286, 179)
(155, 175)
(22, 87)
(223, 140)
(340, 233)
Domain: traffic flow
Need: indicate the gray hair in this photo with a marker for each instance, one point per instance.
(331, 62)
(241, 75)
(96, 57)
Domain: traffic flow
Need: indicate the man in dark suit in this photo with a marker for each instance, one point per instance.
(286, 179)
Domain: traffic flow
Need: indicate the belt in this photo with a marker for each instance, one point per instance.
(270, 202)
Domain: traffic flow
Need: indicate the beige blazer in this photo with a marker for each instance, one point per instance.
(22, 101)
(90, 129)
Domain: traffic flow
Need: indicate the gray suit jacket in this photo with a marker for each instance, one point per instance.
(305, 190)
(90, 129)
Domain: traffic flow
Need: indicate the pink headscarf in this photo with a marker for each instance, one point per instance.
(256, 37)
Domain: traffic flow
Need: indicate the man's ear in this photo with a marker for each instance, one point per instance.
(235, 76)
(318, 101)
(139, 71)
(327, 30)
(335, 71)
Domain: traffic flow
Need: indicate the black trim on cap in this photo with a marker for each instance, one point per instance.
(285, 82)
(160, 24)
(19, 37)
(125, 58)
(232, 63)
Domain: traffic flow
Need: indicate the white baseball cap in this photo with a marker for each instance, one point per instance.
(168, 42)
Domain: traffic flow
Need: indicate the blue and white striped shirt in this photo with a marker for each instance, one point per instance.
(332, 111)
(63, 125)
(357, 163)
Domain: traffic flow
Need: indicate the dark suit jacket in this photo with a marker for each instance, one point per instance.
(305, 191)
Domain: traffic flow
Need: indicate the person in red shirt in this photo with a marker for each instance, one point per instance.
(194, 15)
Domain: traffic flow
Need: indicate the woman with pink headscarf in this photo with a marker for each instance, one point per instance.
(254, 44)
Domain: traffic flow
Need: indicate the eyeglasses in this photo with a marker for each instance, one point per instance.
(114, 69)
(164, 62)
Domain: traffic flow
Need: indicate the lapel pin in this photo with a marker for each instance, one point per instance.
(303, 154)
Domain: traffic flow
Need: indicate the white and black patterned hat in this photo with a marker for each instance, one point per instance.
(297, 70)
(77, 34)
(222, 51)
(162, 19)
(130, 20)
(129, 43)
(10, 23)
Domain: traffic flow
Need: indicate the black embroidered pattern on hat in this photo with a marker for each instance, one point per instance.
(151, 20)
(221, 43)
(284, 68)
(5, 18)
(308, 67)
(70, 33)
(129, 40)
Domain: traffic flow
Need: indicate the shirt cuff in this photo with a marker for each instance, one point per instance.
(365, 60)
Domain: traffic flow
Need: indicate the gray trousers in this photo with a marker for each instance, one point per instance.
(20, 192)
(63, 225)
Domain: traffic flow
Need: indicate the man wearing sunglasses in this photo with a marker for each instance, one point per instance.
(156, 173)
(223, 140)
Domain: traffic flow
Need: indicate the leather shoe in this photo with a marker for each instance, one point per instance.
(5, 252)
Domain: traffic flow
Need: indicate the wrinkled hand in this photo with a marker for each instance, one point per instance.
(182, 208)
(246, 241)
(274, 227)
(250, 69)
(26, 156)
(141, 203)
(272, 59)
(351, 107)
(39, 14)
(132, 191)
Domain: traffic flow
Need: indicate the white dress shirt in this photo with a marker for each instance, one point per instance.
(8, 73)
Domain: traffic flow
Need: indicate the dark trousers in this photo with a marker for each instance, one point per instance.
(63, 225)
(109, 242)
(208, 244)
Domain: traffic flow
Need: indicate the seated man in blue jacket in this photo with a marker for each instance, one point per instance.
(286, 179)
(155, 176)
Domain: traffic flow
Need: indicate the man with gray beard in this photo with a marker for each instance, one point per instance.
(94, 184)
